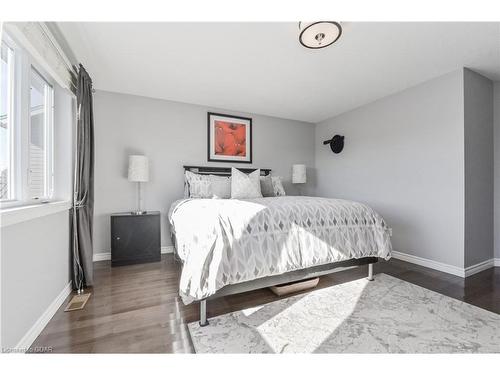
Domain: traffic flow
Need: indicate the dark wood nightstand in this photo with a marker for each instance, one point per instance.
(135, 238)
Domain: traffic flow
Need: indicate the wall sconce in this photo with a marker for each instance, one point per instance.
(336, 143)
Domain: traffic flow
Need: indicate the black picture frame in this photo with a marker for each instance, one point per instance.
(211, 157)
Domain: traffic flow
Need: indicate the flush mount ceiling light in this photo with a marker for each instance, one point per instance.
(321, 34)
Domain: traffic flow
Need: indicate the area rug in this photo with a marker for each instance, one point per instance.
(386, 315)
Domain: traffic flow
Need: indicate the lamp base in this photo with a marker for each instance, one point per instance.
(138, 212)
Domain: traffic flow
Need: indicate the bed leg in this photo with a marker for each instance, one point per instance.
(370, 272)
(203, 313)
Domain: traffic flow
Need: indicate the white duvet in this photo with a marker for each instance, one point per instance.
(229, 241)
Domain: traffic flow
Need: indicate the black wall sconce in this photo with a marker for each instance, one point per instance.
(336, 143)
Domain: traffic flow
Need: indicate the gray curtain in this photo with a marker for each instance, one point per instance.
(83, 193)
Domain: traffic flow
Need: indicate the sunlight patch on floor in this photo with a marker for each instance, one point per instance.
(301, 325)
(251, 310)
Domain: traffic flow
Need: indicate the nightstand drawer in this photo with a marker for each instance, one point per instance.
(135, 238)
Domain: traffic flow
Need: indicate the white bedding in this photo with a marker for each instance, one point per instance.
(229, 241)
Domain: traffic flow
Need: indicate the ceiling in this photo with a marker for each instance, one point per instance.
(262, 68)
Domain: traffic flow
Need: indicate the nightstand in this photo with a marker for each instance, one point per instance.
(135, 238)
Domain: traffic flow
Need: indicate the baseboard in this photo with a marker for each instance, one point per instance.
(42, 321)
(471, 270)
(107, 255)
(443, 267)
(101, 256)
(167, 249)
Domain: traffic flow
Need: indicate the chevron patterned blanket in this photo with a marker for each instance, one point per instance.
(229, 241)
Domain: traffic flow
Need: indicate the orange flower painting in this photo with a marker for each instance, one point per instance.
(229, 138)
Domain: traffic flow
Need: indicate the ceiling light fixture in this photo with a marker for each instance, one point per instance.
(321, 34)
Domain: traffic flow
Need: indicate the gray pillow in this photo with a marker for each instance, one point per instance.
(266, 186)
(198, 185)
(221, 186)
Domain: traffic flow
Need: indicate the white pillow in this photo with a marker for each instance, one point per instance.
(245, 186)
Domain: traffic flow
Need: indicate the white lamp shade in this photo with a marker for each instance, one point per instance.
(138, 168)
(299, 174)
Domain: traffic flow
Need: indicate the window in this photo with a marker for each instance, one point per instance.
(6, 124)
(40, 176)
(26, 129)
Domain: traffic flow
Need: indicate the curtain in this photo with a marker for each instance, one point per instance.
(83, 193)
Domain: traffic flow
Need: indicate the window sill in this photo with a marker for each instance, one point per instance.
(15, 215)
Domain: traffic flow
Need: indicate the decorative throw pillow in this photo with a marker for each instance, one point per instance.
(221, 186)
(245, 186)
(279, 190)
(186, 187)
(266, 186)
(199, 185)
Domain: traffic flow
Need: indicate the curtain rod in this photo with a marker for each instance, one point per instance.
(73, 70)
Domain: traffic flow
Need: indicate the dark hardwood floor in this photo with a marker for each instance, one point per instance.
(136, 309)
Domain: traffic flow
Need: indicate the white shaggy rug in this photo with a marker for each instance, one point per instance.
(386, 315)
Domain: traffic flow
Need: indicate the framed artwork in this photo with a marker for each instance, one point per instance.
(229, 138)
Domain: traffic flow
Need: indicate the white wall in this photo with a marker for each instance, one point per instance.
(478, 128)
(496, 117)
(35, 269)
(35, 254)
(174, 134)
(404, 156)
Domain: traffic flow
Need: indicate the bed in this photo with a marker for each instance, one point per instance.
(229, 246)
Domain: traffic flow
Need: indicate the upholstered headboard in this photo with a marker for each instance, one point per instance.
(222, 171)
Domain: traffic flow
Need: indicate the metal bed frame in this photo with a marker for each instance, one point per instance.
(269, 281)
(223, 171)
